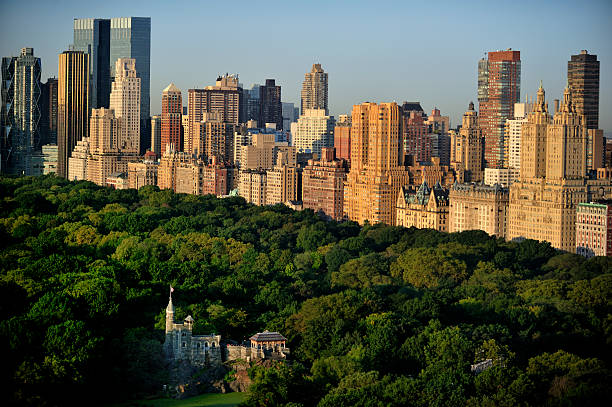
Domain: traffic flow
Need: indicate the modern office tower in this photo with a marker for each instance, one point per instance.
(143, 173)
(499, 88)
(314, 89)
(253, 186)
(377, 172)
(594, 229)
(323, 185)
(583, 79)
(313, 131)
(171, 126)
(253, 103)
(282, 181)
(107, 40)
(514, 134)
(290, 114)
(553, 176)
(48, 111)
(478, 207)
(212, 138)
(49, 152)
(156, 135)
(125, 101)
(270, 105)
(72, 105)
(92, 36)
(20, 116)
(467, 146)
(342, 138)
(415, 136)
(427, 208)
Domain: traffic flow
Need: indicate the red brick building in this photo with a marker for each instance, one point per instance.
(323, 184)
(417, 142)
(594, 229)
(342, 141)
(171, 119)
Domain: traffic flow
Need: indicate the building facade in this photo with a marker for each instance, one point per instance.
(583, 80)
(281, 181)
(271, 110)
(415, 135)
(323, 185)
(313, 131)
(594, 229)
(502, 176)
(156, 134)
(253, 186)
(377, 169)
(20, 116)
(125, 102)
(467, 147)
(513, 135)
(72, 105)
(499, 88)
(314, 90)
(427, 208)
(478, 207)
(342, 138)
(171, 126)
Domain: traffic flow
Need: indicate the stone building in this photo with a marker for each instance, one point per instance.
(323, 185)
(427, 208)
(262, 345)
(281, 181)
(553, 176)
(467, 147)
(478, 207)
(377, 168)
(182, 345)
(253, 185)
(143, 173)
(432, 172)
(594, 229)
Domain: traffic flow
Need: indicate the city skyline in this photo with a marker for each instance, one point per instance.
(449, 50)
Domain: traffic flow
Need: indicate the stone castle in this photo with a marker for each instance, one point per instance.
(206, 350)
(181, 345)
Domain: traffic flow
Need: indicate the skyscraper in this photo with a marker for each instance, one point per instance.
(21, 111)
(92, 36)
(583, 79)
(314, 89)
(72, 105)
(499, 88)
(466, 146)
(107, 40)
(48, 111)
(313, 131)
(172, 111)
(271, 108)
(125, 101)
(377, 172)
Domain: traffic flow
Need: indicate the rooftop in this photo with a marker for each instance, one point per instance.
(267, 336)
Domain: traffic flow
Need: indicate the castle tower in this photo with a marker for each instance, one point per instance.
(169, 316)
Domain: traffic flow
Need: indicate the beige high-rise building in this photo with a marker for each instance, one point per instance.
(72, 105)
(377, 172)
(253, 185)
(314, 90)
(313, 131)
(167, 170)
(264, 151)
(281, 181)
(212, 138)
(125, 101)
(478, 207)
(143, 173)
(77, 163)
(467, 147)
(427, 208)
(553, 176)
(513, 135)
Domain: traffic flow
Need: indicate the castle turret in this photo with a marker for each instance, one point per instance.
(169, 315)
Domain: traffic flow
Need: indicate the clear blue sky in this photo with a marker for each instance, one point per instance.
(374, 50)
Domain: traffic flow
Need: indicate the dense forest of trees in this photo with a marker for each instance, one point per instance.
(375, 315)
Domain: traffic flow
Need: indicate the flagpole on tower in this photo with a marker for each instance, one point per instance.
(171, 291)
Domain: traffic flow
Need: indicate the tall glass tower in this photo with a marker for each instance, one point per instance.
(106, 40)
(21, 111)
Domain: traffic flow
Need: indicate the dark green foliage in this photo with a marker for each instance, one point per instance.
(375, 315)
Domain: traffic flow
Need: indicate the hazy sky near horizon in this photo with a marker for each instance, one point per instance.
(373, 51)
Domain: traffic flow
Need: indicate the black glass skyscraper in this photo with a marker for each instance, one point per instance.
(107, 40)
